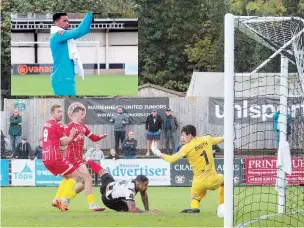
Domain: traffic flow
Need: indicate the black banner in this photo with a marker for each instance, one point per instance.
(101, 110)
(252, 110)
(182, 175)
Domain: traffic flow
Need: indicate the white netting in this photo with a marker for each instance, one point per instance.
(284, 34)
(258, 92)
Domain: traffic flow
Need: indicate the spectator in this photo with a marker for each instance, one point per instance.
(276, 125)
(113, 155)
(215, 148)
(120, 120)
(15, 129)
(38, 152)
(171, 126)
(129, 146)
(153, 128)
(4, 146)
(23, 149)
(95, 153)
(182, 142)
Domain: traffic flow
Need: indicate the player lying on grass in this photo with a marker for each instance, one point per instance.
(53, 138)
(74, 153)
(199, 153)
(119, 195)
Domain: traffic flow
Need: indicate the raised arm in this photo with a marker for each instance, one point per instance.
(83, 28)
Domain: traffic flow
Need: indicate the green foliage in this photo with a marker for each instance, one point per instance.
(175, 37)
(119, 8)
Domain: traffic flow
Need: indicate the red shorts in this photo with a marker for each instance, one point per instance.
(77, 163)
(61, 167)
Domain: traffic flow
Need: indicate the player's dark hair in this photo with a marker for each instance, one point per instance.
(189, 129)
(57, 16)
(141, 178)
(78, 109)
(53, 108)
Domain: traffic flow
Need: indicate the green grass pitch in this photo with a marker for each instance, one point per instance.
(93, 85)
(30, 207)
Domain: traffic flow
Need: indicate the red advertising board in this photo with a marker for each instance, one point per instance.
(263, 171)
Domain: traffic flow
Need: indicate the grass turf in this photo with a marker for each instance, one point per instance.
(93, 85)
(30, 207)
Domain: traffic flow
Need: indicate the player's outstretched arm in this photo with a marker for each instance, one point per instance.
(217, 140)
(168, 158)
(83, 28)
(96, 138)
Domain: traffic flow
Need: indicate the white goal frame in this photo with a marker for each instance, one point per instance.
(96, 44)
(229, 60)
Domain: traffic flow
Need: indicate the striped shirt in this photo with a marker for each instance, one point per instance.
(75, 149)
(53, 132)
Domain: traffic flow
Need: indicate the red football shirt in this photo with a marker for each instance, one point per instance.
(75, 149)
(52, 132)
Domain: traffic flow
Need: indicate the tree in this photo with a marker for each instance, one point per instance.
(121, 8)
(164, 30)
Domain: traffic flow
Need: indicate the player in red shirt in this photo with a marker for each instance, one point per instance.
(74, 153)
(54, 137)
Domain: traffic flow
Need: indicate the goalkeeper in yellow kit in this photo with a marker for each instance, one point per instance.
(199, 153)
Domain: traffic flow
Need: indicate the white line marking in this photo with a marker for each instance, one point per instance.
(244, 224)
(10, 207)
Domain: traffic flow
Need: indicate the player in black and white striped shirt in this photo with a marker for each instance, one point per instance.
(119, 195)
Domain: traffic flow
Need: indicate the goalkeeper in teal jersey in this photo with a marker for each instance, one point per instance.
(65, 55)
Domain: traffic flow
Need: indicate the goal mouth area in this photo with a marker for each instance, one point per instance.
(282, 35)
(271, 32)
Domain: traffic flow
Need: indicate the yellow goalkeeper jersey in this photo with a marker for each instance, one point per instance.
(199, 154)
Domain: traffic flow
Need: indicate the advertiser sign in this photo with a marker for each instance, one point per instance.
(101, 110)
(182, 175)
(4, 172)
(263, 171)
(158, 171)
(45, 177)
(253, 110)
(23, 172)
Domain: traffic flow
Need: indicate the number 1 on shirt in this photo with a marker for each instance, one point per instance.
(205, 156)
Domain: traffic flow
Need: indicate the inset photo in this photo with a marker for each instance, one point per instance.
(73, 54)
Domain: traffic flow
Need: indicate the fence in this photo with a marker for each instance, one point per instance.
(203, 112)
(250, 171)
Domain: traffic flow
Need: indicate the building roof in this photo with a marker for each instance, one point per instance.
(149, 85)
(41, 21)
(206, 84)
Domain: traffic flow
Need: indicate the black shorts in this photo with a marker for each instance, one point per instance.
(114, 204)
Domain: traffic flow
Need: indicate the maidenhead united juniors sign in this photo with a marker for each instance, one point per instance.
(101, 110)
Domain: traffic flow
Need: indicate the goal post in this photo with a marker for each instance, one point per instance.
(229, 118)
(256, 202)
(95, 44)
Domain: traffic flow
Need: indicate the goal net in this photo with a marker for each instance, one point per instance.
(264, 121)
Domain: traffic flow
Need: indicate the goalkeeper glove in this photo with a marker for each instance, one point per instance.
(155, 150)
